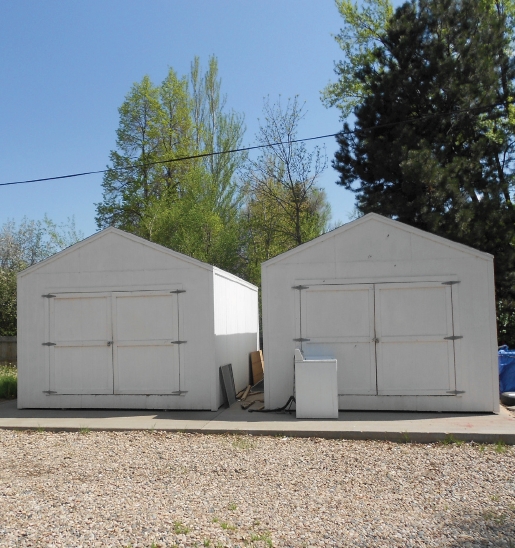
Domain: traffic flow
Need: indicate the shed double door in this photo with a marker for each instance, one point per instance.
(388, 338)
(114, 343)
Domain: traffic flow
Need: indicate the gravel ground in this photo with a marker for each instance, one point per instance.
(155, 489)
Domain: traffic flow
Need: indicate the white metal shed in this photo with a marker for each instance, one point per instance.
(116, 321)
(409, 316)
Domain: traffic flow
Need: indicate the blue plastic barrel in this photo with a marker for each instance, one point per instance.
(506, 358)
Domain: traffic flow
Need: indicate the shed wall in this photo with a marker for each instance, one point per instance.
(373, 251)
(116, 263)
(236, 327)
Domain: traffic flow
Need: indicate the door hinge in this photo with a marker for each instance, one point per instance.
(450, 283)
(301, 339)
(453, 338)
(456, 392)
(177, 291)
(48, 344)
(178, 342)
(300, 287)
(49, 296)
(48, 392)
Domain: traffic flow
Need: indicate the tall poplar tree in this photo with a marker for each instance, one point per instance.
(188, 205)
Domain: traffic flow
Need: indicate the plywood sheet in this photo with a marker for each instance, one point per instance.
(258, 366)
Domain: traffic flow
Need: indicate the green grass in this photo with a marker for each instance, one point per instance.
(8, 381)
(243, 443)
(500, 447)
(263, 537)
(179, 528)
(451, 440)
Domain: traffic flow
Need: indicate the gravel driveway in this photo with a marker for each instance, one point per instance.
(165, 489)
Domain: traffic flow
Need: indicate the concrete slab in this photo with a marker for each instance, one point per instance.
(394, 426)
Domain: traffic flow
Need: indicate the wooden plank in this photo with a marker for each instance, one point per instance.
(258, 366)
(246, 393)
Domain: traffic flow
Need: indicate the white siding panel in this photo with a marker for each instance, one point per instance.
(236, 328)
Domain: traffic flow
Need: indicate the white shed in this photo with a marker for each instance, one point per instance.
(409, 316)
(116, 321)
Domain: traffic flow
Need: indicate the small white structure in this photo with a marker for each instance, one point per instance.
(409, 317)
(316, 387)
(116, 321)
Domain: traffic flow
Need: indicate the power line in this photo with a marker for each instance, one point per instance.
(268, 145)
(180, 159)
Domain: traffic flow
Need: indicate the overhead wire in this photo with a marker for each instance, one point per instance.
(266, 145)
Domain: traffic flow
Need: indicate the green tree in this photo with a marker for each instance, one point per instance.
(443, 63)
(190, 205)
(364, 28)
(284, 207)
(129, 184)
(22, 246)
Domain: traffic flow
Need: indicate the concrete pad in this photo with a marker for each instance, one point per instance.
(371, 425)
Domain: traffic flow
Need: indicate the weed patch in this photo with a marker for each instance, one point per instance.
(263, 537)
(179, 528)
(242, 443)
(500, 447)
(451, 440)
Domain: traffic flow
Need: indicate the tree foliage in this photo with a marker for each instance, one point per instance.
(433, 143)
(191, 205)
(284, 207)
(22, 246)
(363, 29)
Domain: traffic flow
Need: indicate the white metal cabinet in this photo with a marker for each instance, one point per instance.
(316, 394)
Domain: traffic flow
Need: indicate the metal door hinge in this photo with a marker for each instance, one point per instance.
(48, 392)
(48, 344)
(177, 291)
(456, 392)
(300, 287)
(178, 342)
(301, 340)
(450, 283)
(49, 296)
(453, 338)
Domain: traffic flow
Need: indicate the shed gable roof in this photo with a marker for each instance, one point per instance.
(340, 232)
(110, 232)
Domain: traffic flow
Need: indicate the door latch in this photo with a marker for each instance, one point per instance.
(375, 339)
(109, 343)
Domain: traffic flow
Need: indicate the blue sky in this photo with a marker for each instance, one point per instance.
(67, 65)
